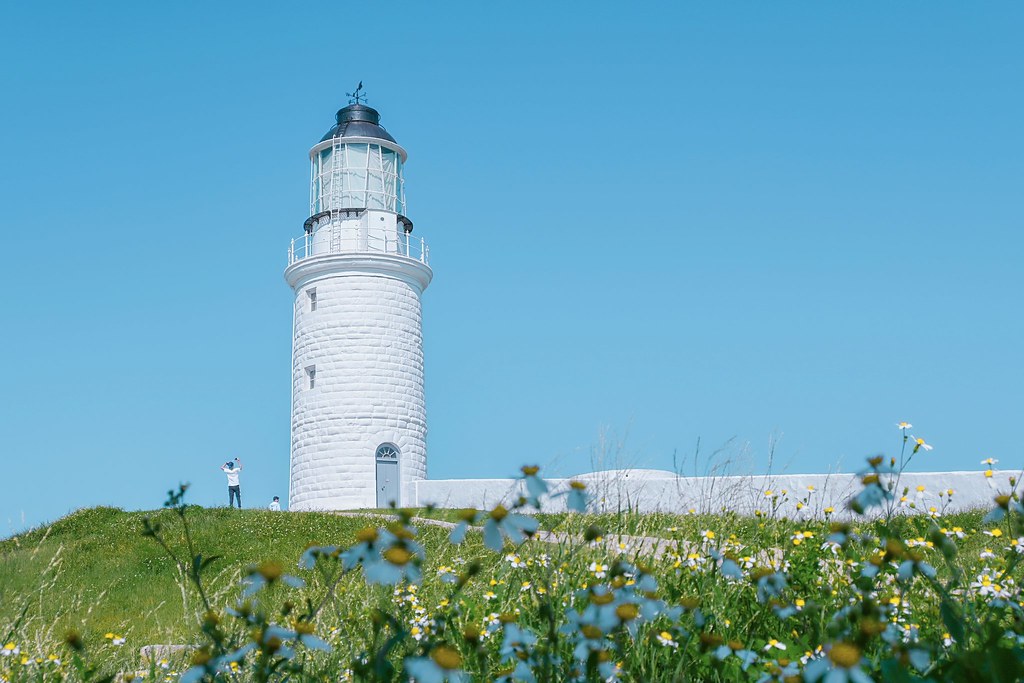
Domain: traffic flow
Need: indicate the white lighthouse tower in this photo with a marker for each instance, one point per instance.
(358, 433)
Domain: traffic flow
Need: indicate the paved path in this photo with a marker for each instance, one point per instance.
(633, 546)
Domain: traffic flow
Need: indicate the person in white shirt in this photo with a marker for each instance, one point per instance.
(234, 489)
(275, 505)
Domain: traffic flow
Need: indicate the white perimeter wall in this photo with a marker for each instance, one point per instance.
(645, 492)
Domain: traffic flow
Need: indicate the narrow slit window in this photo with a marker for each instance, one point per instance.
(311, 376)
(311, 293)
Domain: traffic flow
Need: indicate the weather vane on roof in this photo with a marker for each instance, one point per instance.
(357, 96)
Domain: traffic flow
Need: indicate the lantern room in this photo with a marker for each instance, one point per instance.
(357, 165)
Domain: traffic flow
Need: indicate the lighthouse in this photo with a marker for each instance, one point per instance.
(358, 418)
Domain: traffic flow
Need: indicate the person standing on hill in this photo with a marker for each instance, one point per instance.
(234, 489)
(275, 505)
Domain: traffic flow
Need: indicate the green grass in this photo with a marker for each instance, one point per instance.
(108, 577)
(94, 571)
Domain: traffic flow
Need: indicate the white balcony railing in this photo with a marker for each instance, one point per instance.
(342, 239)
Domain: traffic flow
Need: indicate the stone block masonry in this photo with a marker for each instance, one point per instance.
(357, 383)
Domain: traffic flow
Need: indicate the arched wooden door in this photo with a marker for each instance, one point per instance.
(387, 476)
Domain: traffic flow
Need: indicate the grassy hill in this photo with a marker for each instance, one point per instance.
(94, 571)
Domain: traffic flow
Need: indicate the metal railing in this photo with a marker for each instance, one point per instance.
(337, 239)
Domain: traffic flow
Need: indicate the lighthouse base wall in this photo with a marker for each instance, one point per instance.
(357, 384)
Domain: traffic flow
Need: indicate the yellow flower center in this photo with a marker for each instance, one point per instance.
(446, 657)
(627, 612)
(844, 655)
(367, 535)
(270, 571)
(397, 555)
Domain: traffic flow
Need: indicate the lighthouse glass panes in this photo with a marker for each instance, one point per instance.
(357, 175)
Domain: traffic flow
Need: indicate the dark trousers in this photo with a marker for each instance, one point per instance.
(233, 493)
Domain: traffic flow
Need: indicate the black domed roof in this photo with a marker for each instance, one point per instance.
(358, 120)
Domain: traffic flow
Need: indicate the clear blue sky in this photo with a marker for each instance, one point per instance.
(669, 221)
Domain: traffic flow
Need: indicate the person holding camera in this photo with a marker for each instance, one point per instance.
(234, 489)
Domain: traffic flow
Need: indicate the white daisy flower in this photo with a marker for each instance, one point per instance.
(515, 561)
(665, 638)
(919, 443)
